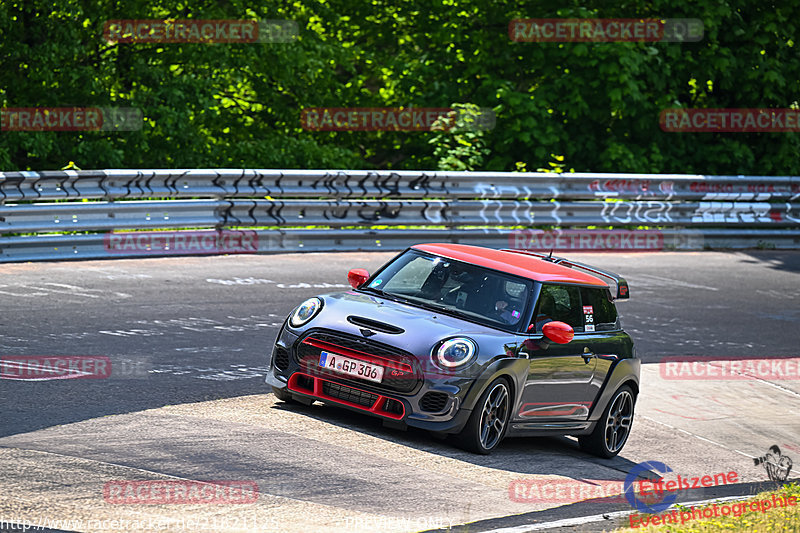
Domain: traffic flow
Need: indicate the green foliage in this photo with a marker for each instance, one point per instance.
(239, 105)
(557, 165)
(460, 145)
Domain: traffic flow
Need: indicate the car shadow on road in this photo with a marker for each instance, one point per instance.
(556, 455)
(529, 457)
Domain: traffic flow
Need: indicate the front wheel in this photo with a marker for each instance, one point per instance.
(487, 423)
(612, 430)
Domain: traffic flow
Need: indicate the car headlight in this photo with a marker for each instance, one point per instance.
(305, 312)
(456, 352)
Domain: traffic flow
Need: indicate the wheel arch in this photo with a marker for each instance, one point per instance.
(505, 369)
(633, 385)
(626, 372)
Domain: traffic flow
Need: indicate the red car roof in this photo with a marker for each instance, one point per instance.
(526, 266)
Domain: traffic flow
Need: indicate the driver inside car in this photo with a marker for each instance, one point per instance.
(509, 316)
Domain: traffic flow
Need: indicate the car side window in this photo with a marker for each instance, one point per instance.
(559, 303)
(599, 311)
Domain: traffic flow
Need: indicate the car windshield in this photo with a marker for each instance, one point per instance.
(472, 292)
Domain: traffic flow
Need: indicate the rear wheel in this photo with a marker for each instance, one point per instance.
(487, 423)
(612, 430)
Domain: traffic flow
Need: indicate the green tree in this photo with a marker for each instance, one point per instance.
(239, 105)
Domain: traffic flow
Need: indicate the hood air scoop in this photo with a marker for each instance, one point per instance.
(383, 327)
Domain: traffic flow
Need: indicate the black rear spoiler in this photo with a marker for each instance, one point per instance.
(623, 291)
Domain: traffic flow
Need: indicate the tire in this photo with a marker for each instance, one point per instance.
(612, 430)
(488, 422)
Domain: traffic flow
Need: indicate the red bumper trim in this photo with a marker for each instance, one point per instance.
(377, 408)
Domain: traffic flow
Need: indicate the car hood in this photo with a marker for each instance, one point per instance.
(422, 328)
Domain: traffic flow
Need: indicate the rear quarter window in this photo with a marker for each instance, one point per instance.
(598, 310)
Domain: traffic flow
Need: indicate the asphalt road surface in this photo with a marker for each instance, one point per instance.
(189, 339)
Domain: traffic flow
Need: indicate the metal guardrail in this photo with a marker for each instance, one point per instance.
(238, 183)
(690, 211)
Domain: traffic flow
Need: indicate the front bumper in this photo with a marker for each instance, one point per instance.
(414, 408)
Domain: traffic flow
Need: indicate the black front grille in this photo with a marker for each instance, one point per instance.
(359, 344)
(351, 395)
(394, 380)
(433, 402)
(280, 357)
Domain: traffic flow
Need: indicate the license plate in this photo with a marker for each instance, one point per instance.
(351, 367)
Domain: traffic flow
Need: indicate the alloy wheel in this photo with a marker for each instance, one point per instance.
(494, 416)
(618, 422)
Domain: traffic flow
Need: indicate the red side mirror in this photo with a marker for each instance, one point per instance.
(357, 277)
(558, 332)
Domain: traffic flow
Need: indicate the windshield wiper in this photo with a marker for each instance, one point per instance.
(393, 296)
(427, 305)
(384, 294)
(412, 301)
(372, 289)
